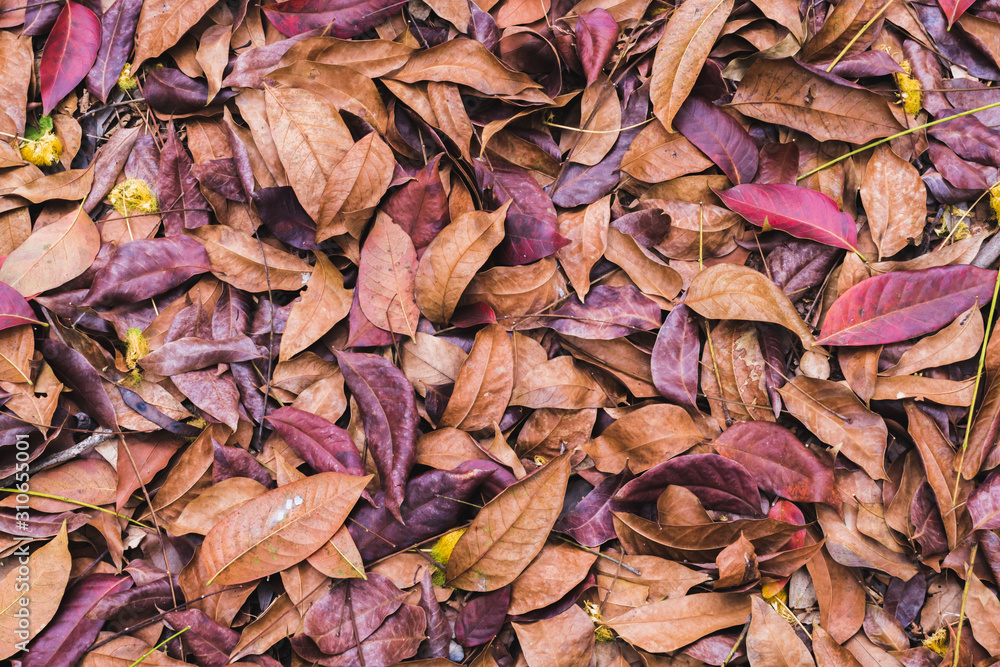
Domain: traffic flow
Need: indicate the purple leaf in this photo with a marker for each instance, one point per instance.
(607, 313)
(191, 354)
(231, 315)
(897, 306)
(237, 462)
(324, 446)
(674, 362)
(984, 504)
(117, 36)
(210, 642)
(480, 620)
(927, 524)
(221, 177)
(181, 202)
(342, 18)
(71, 631)
(780, 463)
(774, 344)
(284, 216)
(434, 502)
(39, 525)
(531, 228)
(798, 265)
(14, 310)
(721, 484)
(389, 415)
(143, 600)
(351, 611)
(80, 376)
(420, 207)
(171, 92)
(868, 63)
(146, 267)
(439, 632)
(590, 522)
(719, 136)
(779, 163)
(215, 395)
(596, 35)
(394, 641)
(801, 212)
(649, 227)
(482, 28)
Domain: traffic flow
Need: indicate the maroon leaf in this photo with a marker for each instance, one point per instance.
(779, 163)
(674, 363)
(719, 136)
(799, 211)
(343, 18)
(170, 91)
(71, 631)
(434, 502)
(177, 191)
(531, 228)
(779, 462)
(984, 504)
(146, 267)
(394, 641)
(596, 34)
(420, 207)
(220, 176)
(117, 36)
(720, 483)
(351, 611)
(69, 53)
(590, 522)
(389, 415)
(439, 632)
(897, 306)
(14, 310)
(80, 376)
(190, 354)
(480, 620)
(324, 446)
(284, 216)
(607, 313)
(210, 642)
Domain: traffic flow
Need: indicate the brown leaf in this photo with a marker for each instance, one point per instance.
(554, 573)
(983, 610)
(895, 200)
(510, 530)
(355, 188)
(280, 528)
(657, 156)
(649, 273)
(16, 59)
(587, 232)
(324, 302)
(732, 292)
(239, 260)
(686, 42)
(565, 640)
(828, 652)
(644, 438)
(786, 93)
(386, 278)
(484, 384)
(52, 255)
(17, 346)
(310, 138)
(559, 383)
(958, 341)
(35, 594)
(669, 624)
(467, 63)
(162, 25)
(771, 640)
(451, 260)
(840, 595)
(836, 416)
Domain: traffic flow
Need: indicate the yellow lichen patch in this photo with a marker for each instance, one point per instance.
(136, 346)
(910, 91)
(995, 201)
(602, 633)
(938, 642)
(441, 552)
(133, 196)
(44, 151)
(125, 80)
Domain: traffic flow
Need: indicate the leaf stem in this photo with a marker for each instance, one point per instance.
(153, 650)
(896, 136)
(49, 496)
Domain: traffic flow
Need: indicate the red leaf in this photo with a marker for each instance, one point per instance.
(342, 18)
(898, 306)
(953, 9)
(69, 53)
(719, 136)
(14, 310)
(799, 211)
(596, 34)
(779, 462)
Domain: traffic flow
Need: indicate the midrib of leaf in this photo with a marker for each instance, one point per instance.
(694, 35)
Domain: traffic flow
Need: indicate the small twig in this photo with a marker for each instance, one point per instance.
(965, 598)
(736, 644)
(49, 496)
(621, 564)
(81, 447)
(857, 36)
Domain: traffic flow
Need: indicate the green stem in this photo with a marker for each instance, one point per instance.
(39, 494)
(896, 136)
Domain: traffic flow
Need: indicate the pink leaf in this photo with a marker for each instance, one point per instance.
(69, 53)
